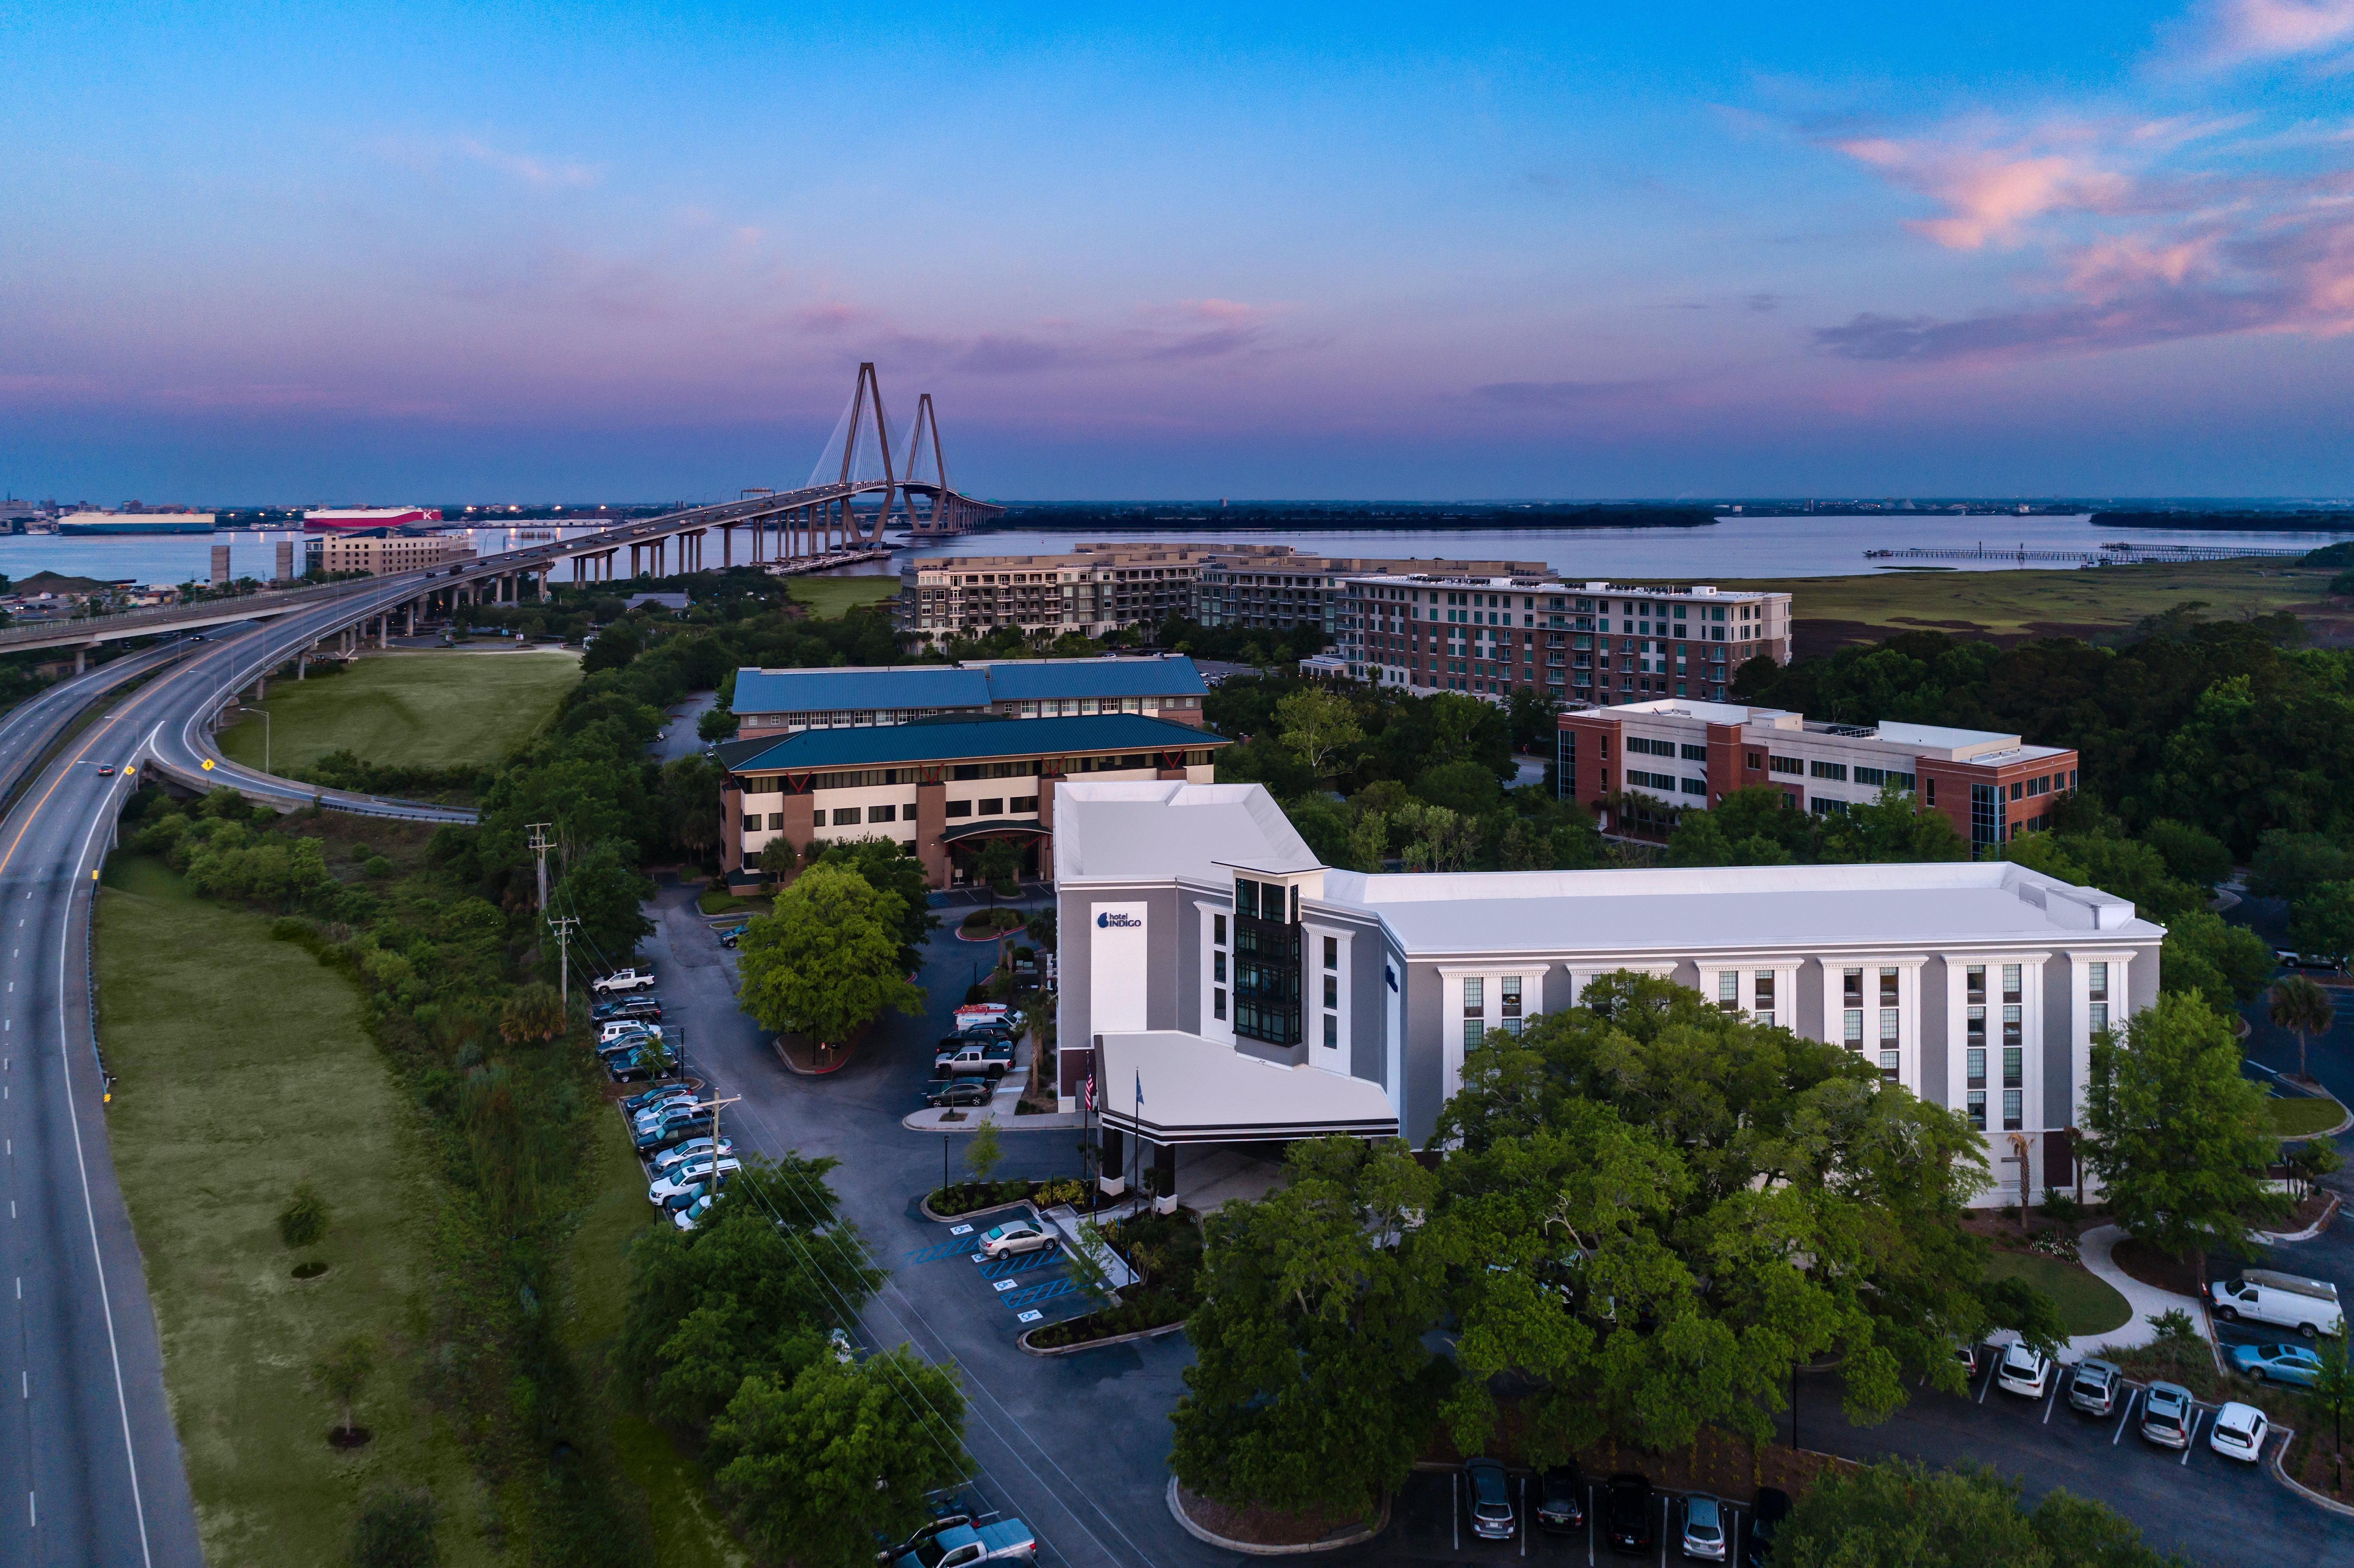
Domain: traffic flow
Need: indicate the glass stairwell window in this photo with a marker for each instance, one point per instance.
(1974, 1047)
(1475, 1011)
(1508, 1004)
(1851, 1010)
(2096, 1005)
(1892, 1021)
(1764, 1010)
(1728, 990)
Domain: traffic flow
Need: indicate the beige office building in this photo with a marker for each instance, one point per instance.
(383, 554)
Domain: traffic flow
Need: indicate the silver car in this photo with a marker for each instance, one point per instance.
(1703, 1528)
(684, 1178)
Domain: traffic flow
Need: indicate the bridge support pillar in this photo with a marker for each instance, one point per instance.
(81, 660)
(412, 618)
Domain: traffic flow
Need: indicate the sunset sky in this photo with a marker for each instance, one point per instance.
(281, 252)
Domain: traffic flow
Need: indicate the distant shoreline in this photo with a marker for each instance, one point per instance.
(2231, 522)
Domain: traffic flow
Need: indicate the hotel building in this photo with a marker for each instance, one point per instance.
(1575, 643)
(1224, 987)
(1639, 766)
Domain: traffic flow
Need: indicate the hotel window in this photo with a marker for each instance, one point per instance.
(1218, 968)
(776, 821)
(2097, 982)
(882, 813)
(1851, 1009)
(1764, 1007)
(1475, 1009)
(1219, 965)
(1024, 802)
(1331, 958)
(1891, 1015)
(843, 816)
(990, 807)
(1978, 1110)
(1332, 990)
(751, 821)
(957, 808)
(1728, 990)
(1828, 770)
(1332, 1031)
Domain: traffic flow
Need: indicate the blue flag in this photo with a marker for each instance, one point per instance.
(1139, 1086)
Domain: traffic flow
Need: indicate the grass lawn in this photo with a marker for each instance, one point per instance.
(2087, 1305)
(687, 1528)
(244, 1069)
(2295, 1116)
(428, 710)
(2015, 605)
(828, 597)
(716, 900)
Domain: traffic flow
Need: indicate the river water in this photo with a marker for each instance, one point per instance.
(1733, 546)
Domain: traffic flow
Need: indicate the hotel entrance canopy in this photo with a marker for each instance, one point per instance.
(1198, 1091)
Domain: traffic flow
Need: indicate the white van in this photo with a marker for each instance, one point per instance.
(2262, 1296)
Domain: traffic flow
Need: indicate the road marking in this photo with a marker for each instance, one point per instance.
(1989, 1381)
(2196, 1417)
(2054, 1403)
(2131, 1394)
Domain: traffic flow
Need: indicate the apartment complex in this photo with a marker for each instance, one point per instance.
(1094, 590)
(780, 702)
(1280, 590)
(940, 788)
(1489, 636)
(1254, 995)
(1639, 766)
(381, 555)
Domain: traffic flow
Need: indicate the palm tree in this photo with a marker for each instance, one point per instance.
(2304, 1009)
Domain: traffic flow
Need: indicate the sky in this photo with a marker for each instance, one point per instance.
(389, 254)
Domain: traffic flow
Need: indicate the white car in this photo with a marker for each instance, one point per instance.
(687, 1219)
(687, 1176)
(623, 1028)
(655, 1110)
(2239, 1433)
(1013, 1236)
(2024, 1371)
(671, 1158)
(622, 980)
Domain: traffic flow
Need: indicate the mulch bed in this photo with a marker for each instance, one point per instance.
(2141, 1261)
(2308, 1210)
(1268, 1526)
(2321, 1474)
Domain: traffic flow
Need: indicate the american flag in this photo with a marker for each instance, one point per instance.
(1091, 1091)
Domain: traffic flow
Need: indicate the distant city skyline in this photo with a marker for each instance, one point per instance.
(405, 254)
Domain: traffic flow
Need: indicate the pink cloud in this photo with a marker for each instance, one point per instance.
(1990, 195)
(2244, 32)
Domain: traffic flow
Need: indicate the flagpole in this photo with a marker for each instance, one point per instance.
(1135, 1134)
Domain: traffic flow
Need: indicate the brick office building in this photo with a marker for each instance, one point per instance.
(778, 702)
(938, 788)
(1639, 766)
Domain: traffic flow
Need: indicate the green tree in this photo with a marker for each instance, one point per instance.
(2206, 955)
(1318, 727)
(2286, 864)
(819, 1465)
(2304, 1009)
(826, 962)
(2333, 1395)
(614, 648)
(1905, 1515)
(999, 866)
(889, 867)
(1305, 1388)
(1892, 827)
(304, 1219)
(2191, 854)
(780, 858)
(690, 803)
(1655, 1209)
(716, 723)
(342, 1373)
(2180, 1139)
(603, 890)
(532, 1012)
(2322, 922)
(985, 1152)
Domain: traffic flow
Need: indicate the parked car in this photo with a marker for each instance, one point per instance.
(676, 1128)
(2291, 1364)
(2284, 1301)
(1015, 1236)
(624, 1028)
(963, 1545)
(2166, 1414)
(1765, 1517)
(948, 1521)
(689, 1217)
(620, 1044)
(687, 1177)
(660, 1103)
(1968, 1355)
(1703, 1528)
(646, 1062)
(644, 1007)
(964, 1091)
(994, 1060)
(1561, 1499)
(1488, 1491)
(2094, 1387)
(1627, 1512)
(732, 935)
(645, 1099)
(621, 980)
(2239, 1433)
(670, 1159)
(2288, 959)
(2024, 1371)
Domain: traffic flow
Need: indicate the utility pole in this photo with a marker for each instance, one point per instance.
(538, 832)
(714, 1106)
(564, 925)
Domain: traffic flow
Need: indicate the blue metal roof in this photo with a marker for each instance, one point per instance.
(822, 691)
(970, 685)
(886, 746)
(1027, 680)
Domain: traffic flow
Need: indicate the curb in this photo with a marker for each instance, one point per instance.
(1022, 1342)
(1333, 1544)
(2310, 1230)
(2280, 1473)
(924, 1207)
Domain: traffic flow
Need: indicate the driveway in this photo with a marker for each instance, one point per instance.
(678, 738)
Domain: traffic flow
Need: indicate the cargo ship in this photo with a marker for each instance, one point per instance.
(348, 519)
(135, 523)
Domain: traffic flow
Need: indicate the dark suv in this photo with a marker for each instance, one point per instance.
(1627, 1511)
(1561, 1499)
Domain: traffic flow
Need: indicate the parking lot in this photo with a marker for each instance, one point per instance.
(1024, 1291)
(1430, 1522)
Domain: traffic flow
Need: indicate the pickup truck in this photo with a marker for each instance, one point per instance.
(994, 1057)
(960, 1546)
(621, 980)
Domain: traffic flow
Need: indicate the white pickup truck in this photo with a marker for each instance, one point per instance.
(621, 980)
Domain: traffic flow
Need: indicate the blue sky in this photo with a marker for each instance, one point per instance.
(314, 252)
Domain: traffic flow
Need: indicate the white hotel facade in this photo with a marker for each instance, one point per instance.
(1255, 995)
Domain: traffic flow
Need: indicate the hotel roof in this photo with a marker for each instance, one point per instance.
(883, 745)
(1111, 832)
(974, 684)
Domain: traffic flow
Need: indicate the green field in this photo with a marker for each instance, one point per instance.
(828, 597)
(422, 710)
(2087, 1305)
(243, 1069)
(2013, 605)
(2295, 1115)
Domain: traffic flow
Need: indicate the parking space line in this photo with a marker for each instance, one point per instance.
(1663, 1531)
(1989, 1381)
(2197, 1415)
(1524, 1516)
(2054, 1403)
(2126, 1419)
(1593, 1498)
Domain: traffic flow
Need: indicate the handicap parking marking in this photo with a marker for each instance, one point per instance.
(1021, 1263)
(1037, 1293)
(960, 1230)
(934, 1253)
(1003, 1284)
(1030, 1316)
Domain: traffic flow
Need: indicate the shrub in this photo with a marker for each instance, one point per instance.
(377, 868)
(303, 1221)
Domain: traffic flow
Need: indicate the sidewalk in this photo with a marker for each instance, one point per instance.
(933, 1119)
(2094, 1247)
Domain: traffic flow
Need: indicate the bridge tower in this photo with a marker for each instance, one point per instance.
(864, 415)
